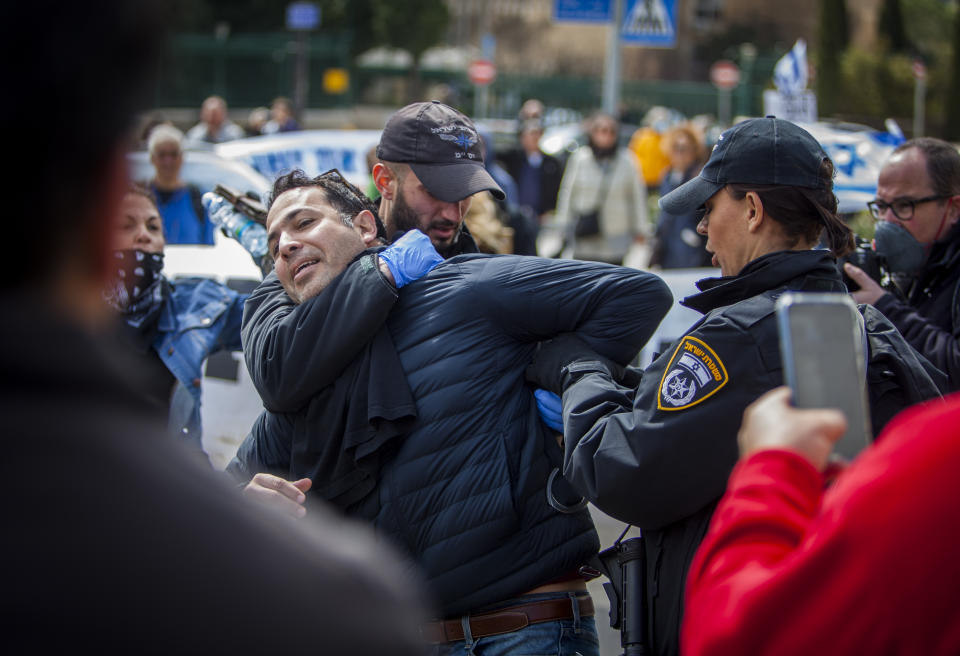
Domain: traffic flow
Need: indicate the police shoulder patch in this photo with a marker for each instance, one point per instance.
(693, 374)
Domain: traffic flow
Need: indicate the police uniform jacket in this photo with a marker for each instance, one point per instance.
(658, 456)
(465, 491)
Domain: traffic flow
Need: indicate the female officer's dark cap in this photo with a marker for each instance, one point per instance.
(761, 151)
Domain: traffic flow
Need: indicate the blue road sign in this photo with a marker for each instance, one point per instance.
(582, 11)
(303, 16)
(650, 23)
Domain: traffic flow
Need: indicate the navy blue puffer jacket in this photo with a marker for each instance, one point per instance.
(465, 492)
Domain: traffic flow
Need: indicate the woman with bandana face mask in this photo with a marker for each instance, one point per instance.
(170, 328)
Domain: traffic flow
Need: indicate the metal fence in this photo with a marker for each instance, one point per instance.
(251, 69)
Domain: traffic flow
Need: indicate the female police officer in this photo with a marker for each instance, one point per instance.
(658, 456)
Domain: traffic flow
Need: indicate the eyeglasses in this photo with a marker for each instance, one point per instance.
(902, 208)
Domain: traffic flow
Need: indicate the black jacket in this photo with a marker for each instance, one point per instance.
(126, 540)
(551, 173)
(659, 456)
(465, 492)
(930, 318)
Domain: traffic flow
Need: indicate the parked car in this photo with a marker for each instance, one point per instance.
(313, 151)
(205, 170)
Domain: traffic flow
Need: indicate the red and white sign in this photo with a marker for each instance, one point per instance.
(481, 72)
(724, 74)
(919, 70)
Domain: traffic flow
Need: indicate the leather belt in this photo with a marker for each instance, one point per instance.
(505, 620)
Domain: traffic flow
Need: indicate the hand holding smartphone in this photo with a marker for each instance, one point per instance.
(823, 348)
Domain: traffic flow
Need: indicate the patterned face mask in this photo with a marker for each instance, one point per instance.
(137, 282)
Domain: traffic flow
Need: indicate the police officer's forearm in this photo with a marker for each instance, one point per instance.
(635, 470)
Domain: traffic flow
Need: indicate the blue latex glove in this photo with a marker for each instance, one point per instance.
(550, 408)
(410, 258)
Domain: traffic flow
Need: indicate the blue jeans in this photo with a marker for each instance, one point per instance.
(561, 638)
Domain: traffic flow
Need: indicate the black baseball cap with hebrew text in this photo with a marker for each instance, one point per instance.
(762, 151)
(442, 147)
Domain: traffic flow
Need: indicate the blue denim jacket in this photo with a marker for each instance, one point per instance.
(199, 318)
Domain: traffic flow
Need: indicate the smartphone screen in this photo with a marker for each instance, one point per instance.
(822, 345)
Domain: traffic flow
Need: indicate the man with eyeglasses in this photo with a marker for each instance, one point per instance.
(918, 197)
(409, 409)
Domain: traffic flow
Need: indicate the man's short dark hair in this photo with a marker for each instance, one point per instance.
(943, 163)
(344, 196)
(91, 69)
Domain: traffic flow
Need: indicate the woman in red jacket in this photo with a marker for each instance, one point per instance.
(868, 566)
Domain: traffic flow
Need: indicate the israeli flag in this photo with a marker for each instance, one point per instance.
(790, 73)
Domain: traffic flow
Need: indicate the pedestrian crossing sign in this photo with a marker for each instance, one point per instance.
(650, 23)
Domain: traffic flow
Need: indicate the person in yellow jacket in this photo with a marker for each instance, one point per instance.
(645, 144)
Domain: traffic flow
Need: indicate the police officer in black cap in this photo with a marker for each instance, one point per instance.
(658, 456)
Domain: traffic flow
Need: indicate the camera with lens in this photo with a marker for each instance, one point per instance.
(870, 261)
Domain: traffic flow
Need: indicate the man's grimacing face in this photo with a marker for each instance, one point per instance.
(310, 243)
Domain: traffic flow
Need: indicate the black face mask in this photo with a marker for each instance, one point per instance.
(137, 282)
(904, 254)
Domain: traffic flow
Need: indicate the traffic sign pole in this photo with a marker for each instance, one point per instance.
(724, 103)
(725, 76)
(481, 73)
(302, 18)
(611, 70)
(919, 97)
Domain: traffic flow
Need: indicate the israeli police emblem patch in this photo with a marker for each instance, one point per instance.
(693, 374)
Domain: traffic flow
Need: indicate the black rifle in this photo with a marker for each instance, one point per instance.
(248, 204)
(624, 565)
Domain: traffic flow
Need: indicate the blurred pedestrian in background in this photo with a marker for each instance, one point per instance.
(647, 144)
(281, 117)
(484, 220)
(214, 126)
(521, 225)
(256, 120)
(677, 244)
(500, 175)
(532, 109)
(602, 206)
(170, 328)
(184, 219)
(537, 174)
(868, 565)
